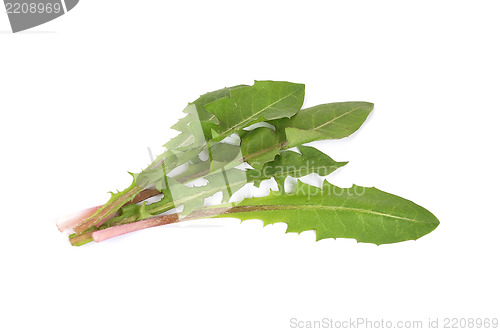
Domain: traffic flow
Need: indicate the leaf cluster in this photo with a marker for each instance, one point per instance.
(244, 135)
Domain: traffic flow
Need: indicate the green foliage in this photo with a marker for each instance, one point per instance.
(219, 134)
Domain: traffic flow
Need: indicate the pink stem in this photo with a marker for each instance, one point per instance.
(70, 221)
(111, 232)
(74, 219)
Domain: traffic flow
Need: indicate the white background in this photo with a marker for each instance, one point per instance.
(82, 97)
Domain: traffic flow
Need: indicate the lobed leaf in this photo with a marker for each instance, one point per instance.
(365, 214)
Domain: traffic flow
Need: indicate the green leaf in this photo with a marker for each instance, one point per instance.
(290, 163)
(365, 214)
(224, 153)
(328, 121)
(197, 125)
(203, 100)
(260, 146)
(265, 100)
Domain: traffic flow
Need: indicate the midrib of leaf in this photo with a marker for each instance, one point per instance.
(253, 208)
(255, 114)
(191, 136)
(263, 151)
(334, 119)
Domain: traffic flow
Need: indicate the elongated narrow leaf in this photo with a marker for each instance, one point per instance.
(327, 121)
(265, 100)
(365, 214)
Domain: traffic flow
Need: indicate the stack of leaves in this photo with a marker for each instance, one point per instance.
(244, 135)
